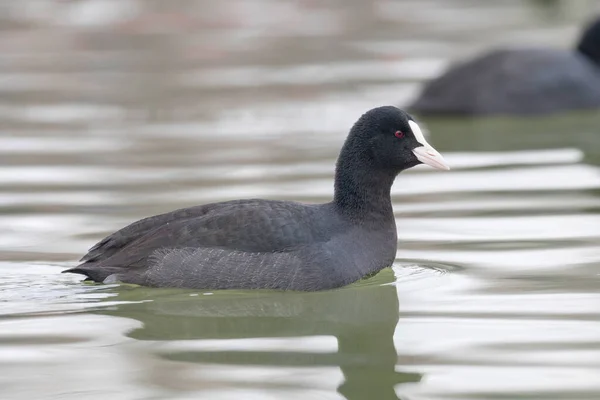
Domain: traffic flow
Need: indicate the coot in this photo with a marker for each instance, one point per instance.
(268, 244)
(520, 81)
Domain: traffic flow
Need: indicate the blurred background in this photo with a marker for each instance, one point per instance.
(113, 110)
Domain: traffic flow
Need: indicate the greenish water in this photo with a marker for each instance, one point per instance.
(110, 116)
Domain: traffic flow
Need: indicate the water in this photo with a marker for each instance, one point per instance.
(115, 110)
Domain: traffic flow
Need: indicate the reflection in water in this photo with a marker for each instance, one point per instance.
(576, 130)
(218, 329)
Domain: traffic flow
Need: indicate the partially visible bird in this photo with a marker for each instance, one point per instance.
(525, 81)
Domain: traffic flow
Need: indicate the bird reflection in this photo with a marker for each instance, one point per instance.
(362, 318)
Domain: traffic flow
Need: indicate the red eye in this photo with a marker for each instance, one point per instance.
(399, 134)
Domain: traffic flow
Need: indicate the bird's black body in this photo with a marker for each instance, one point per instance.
(519, 81)
(249, 244)
(244, 244)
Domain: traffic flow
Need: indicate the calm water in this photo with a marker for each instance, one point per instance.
(114, 110)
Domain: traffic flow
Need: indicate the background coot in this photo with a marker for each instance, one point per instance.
(519, 81)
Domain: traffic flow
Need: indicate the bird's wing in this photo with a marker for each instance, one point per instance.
(248, 226)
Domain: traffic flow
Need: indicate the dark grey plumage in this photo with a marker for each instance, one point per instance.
(519, 81)
(256, 243)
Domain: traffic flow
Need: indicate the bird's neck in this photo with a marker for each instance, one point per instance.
(591, 54)
(589, 44)
(363, 192)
